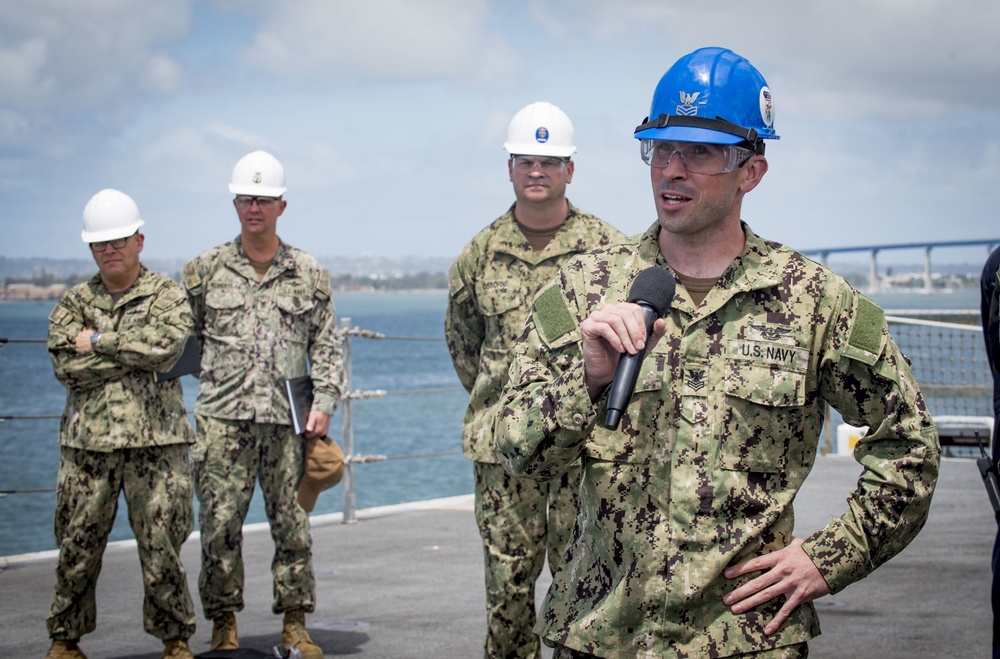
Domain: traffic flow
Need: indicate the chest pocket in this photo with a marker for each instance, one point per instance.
(136, 315)
(763, 409)
(223, 311)
(503, 310)
(294, 306)
(643, 428)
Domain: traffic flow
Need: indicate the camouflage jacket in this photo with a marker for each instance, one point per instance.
(720, 434)
(113, 400)
(490, 289)
(256, 334)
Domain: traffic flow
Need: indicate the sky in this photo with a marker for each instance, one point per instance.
(389, 116)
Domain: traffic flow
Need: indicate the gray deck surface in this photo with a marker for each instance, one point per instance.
(406, 581)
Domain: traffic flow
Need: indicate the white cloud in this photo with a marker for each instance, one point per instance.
(22, 72)
(845, 59)
(87, 52)
(161, 74)
(317, 42)
(390, 115)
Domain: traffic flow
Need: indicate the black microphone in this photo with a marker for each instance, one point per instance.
(653, 290)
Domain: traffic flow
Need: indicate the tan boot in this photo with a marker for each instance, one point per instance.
(294, 635)
(224, 632)
(177, 649)
(65, 649)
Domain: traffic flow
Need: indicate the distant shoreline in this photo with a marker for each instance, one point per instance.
(51, 296)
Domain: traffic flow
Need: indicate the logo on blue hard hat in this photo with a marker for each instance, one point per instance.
(542, 134)
(687, 108)
(766, 107)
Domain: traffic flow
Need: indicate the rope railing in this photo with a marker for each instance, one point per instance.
(953, 374)
(369, 334)
(351, 458)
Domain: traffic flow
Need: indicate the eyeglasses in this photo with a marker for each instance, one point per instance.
(102, 245)
(549, 166)
(698, 158)
(246, 201)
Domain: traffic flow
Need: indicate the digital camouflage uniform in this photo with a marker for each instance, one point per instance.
(122, 431)
(491, 285)
(255, 334)
(720, 435)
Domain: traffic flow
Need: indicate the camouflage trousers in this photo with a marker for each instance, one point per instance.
(229, 457)
(157, 486)
(519, 520)
(797, 651)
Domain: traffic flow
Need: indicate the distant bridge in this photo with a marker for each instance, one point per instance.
(873, 250)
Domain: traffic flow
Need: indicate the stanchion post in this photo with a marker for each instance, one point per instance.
(350, 505)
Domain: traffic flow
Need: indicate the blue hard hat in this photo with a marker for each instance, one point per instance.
(713, 96)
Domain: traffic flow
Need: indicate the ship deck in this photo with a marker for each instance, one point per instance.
(406, 581)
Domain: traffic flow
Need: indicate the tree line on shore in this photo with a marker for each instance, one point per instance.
(342, 282)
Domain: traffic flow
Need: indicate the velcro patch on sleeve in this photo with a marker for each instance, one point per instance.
(865, 342)
(552, 317)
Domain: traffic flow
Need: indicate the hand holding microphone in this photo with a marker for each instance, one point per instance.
(653, 291)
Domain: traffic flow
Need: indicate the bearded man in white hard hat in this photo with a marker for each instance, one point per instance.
(124, 430)
(490, 289)
(263, 313)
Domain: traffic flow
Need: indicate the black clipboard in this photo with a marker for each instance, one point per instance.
(188, 364)
(300, 397)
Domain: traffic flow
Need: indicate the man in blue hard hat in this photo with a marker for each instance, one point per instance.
(683, 544)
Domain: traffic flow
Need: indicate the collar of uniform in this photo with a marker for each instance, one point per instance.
(757, 266)
(649, 247)
(509, 239)
(103, 300)
(283, 260)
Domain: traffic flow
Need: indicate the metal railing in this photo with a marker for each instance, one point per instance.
(349, 507)
(948, 359)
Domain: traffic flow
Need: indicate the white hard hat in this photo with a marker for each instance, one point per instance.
(258, 173)
(108, 215)
(540, 129)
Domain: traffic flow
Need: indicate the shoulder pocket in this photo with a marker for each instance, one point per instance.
(167, 298)
(868, 333)
(191, 278)
(556, 324)
(60, 315)
(456, 285)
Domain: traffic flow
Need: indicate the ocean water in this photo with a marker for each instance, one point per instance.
(397, 426)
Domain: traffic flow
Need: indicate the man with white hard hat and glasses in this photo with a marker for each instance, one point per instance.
(124, 430)
(490, 289)
(684, 544)
(263, 313)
